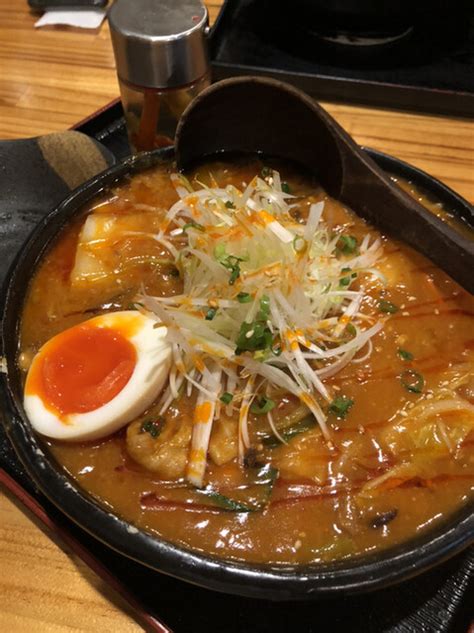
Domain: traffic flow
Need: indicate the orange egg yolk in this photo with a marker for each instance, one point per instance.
(81, 369)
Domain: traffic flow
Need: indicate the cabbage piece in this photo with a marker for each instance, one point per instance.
(106, 237)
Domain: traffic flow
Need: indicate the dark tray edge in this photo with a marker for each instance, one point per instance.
(403, 97)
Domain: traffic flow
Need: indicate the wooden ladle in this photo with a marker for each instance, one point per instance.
(250, 114)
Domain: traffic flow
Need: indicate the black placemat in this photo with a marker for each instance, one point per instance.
(439, 601)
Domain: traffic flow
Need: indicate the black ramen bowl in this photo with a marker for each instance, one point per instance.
(277, 582)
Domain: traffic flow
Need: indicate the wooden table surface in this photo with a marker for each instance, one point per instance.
(50, 79)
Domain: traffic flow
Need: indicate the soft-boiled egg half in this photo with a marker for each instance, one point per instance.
(95, 377)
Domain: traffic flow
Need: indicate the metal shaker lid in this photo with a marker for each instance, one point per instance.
(159, 43)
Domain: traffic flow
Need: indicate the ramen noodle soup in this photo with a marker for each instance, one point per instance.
(237, 363)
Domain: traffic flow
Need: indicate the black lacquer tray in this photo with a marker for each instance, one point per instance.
(438, 601)
(427, 66)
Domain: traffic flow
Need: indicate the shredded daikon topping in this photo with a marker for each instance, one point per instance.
(268, 303)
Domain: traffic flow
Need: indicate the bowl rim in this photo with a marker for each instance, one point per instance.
(275, 582)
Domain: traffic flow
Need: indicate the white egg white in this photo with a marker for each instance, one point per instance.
(147, 380)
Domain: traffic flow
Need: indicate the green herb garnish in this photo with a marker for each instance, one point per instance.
(350, 329)
(264, 311)
(244, 297)
(272, 441)
(234, 274)
(231, 262)
(285, 187)
(340, 406)
(264, 405)
(388, 307)
(266, 171)
(256, 335)
(211, 313)
(346, 280)
(226, 503)
(251, 497)
(404, 355)
(193, 225)
(347, 244)
(220, 252)
(153, 427)
(230, 205)
(412, 381)
(253, 336)
(226, 397)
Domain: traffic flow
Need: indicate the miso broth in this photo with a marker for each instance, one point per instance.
(398, 456)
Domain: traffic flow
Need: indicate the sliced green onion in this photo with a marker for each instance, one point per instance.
(404, 355)
(220, 252)
(264, 405)
(300, 244)
(351, 329)
(234, 274)
(211, 313)
(231, 262)
(230, 205)
(346, 280)
(264, 311)
(226, 503)
(388, 307)
(412, 381)
(193, 225)
(253, 336)
(226, 397)
(153, 427)
(244, 297)
(285, 187)
(340, 406)
(307, 423)
(347, 244)
(253, 497)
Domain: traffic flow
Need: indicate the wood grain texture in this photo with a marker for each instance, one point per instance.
(45, 587)
(50, 79)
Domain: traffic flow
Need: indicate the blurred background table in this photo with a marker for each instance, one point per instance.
(49, 80)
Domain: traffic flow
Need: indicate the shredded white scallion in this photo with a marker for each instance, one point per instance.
(268, 303)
